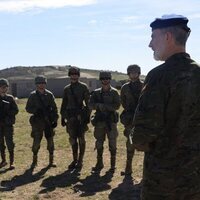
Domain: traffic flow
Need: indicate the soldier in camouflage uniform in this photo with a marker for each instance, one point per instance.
(130, 93)
(167, 119)
(74, 112)
(8, 110)
(41, 104)
(105, 101)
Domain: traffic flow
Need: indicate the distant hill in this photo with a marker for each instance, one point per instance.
(23, 72)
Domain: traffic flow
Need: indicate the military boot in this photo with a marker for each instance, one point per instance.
(11, 156)
(99, 165)
(3, 162)
(128, 168)
(73, 164)
(112, 162)
(34, 163)
(81, 155)
(51, 161)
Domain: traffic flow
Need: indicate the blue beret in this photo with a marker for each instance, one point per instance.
(170, 20)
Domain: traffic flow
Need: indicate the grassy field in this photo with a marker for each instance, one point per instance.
(23, 183)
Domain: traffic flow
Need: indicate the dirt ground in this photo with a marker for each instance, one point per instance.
(59, 183)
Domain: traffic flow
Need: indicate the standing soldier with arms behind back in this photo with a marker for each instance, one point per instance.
(105, 101)
(41, 104)
(75, 116)
(8, 110)
(130, 93)
(167, 118)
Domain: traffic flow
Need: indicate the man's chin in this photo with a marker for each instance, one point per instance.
(74, 80)
(156, 57)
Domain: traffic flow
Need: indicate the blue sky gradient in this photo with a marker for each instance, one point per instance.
(92, 34)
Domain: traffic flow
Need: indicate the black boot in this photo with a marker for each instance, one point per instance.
(73, 164)
(81, 155)
(112, 162)
(128, 168)
(99, 165)
(51, 160)
(11, 156)
(34, 163)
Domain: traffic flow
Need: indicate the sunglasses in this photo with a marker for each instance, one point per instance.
(74, 74)
(105, 78)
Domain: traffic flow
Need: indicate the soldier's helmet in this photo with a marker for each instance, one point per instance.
(133, 68)
(73, 70)
(40, 79)
(105, 75)
(4, 82)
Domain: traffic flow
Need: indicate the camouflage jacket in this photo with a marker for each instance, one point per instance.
(8, 109)
(130, 93)
(42, 105)
(168, 119)
(110, 99)
(74, 97)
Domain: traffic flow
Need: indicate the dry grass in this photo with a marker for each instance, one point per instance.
(59, 183)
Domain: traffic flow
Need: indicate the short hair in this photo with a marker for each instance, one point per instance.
(180, 35)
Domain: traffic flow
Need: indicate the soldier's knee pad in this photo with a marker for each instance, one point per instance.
(72, 141)
(99, 145)
(112, 145)
(35, 148)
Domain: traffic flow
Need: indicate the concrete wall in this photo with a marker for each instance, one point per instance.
(22, 88)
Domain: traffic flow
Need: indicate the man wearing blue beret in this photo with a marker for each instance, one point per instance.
(167, 119)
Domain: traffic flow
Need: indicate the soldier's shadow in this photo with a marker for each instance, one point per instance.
(65, 179)
(93, 183)
(23, 179)
(4, 170)
(126, 190)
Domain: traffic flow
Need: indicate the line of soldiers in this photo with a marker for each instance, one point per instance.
(77, 105)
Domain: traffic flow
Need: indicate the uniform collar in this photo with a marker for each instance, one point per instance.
(177, 56)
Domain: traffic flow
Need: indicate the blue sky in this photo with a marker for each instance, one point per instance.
(93, 34)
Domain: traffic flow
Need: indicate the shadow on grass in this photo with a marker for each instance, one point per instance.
(4, 170)
(65, 179)
(23, 179)
(93, 184)
(126, 190)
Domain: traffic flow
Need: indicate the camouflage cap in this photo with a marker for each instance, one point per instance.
(40, 79)
(73, 70)
(105, 74)
(133, 68)
(4, 82)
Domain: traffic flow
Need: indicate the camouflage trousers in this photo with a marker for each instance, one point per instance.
(76, 138)
(6, 136)
(75, 131)
(169, 186)
(100, 133)
(38, 130)
(129, 147)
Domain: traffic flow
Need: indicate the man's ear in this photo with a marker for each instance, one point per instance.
(169, 36)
